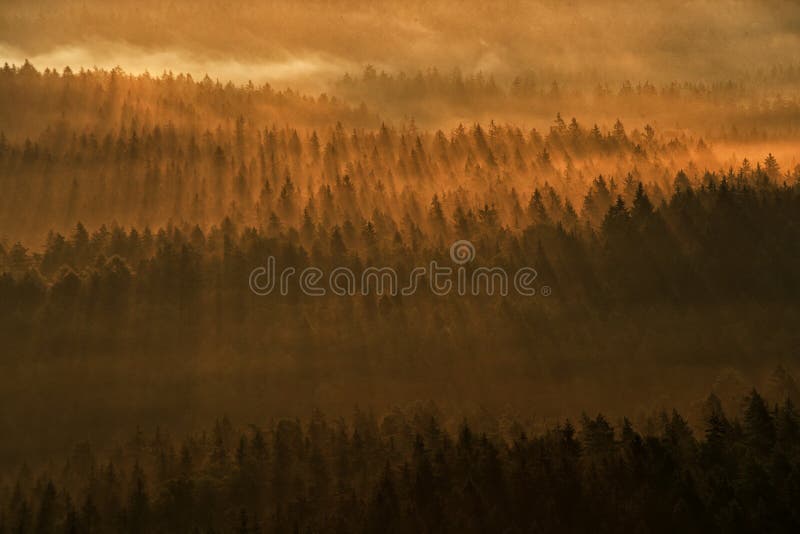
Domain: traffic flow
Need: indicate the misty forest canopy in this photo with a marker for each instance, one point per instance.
(102, 146)
(657, 196)
(135, 207)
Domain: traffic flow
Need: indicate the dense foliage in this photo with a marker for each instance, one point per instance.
(407, 473)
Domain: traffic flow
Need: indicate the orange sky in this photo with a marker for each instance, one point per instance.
(303, 43)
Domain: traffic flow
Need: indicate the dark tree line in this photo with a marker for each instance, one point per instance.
(726, 240)
(407, 472)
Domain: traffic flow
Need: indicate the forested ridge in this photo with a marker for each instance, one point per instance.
(98, 147)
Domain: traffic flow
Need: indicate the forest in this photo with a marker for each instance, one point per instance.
(148, 229)
(405, 472)
(647, 384)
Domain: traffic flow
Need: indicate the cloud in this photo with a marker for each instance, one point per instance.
(300, 42)
(307, 72)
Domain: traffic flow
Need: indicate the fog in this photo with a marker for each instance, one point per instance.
(642, 159)
(307, 72)
(282, 42)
